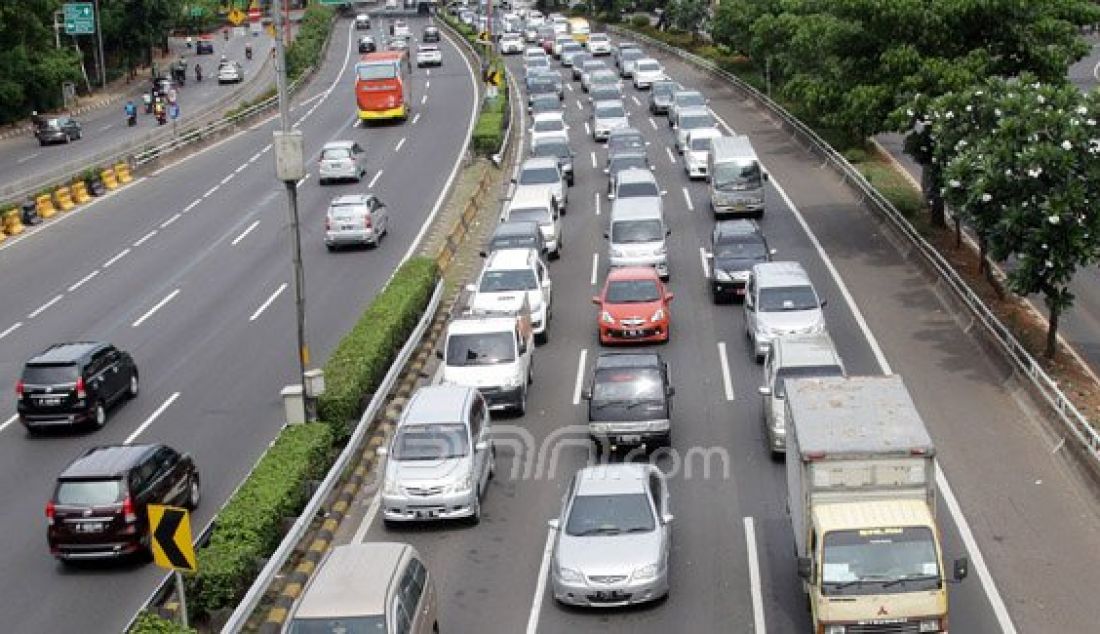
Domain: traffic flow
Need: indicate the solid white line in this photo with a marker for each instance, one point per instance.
(227, 179)
(703, 261)
(687, 199)
(244, 233)
(82, 280)
(374, 180)
(587, 130)
(11, 329)
(594, 167)
(7, 423)
(240, 169)
(121, 254)
(399, 144)
(671, 157)
(152, 417)
(596, 195)
(727, 381)
(170, 221)
(595, 267)
(368, 519)
(194, 203)
(210, 191)
(38, 311)
(416, 118)
(27, 158)
(578, 385)
(653, 123)
(154, 309)
(424, 99)
(636, 102)
(754, 578)
(540, 587)
(263, 307)
(145, 237)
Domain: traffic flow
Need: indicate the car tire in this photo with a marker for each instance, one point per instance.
(194, 492)
(492, 462)
(331, 247)
(543, 338)
(521, 407)
(68, 139)
(475, 516)
(132, 389)
(99, 421)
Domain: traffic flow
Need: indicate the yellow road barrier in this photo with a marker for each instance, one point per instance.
(122, 172)
(80, 193)
(44, 205)
(109, 180)
(63, 198)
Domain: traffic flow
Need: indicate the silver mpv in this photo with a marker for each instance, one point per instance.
(341, 160)
(355, 219)
(613, 537)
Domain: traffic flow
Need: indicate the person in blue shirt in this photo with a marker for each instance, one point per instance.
(131, 113)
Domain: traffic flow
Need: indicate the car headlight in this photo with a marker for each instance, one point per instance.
(930, 625)
(835, 629)
(462, 485)
(722, 276)
(569, 575)
(389, 487)
(606, 317)
(645, 572)
(659, 315)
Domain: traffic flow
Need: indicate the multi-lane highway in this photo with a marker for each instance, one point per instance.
(105, 128)
(189, 269)
(1006, 499)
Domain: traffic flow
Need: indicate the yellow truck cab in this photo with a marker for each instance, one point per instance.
(579, 29)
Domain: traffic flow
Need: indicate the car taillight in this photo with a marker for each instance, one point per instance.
(328, 224)
(366, 222)
(19, 388)
(80, 393)
(128, 510)
(50, 512)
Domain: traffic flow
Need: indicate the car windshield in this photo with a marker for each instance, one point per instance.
(542, 87)
(740, 251)
(627, 384)
(598, 39)
(505, 281)
(513, 241)
(383, 70)
(546, 102)
(700, 144)
(626, 231)
(664, 88)
(787, 298)
(688, 99)
(864, 559)
(627, 162)
(336, 153)
(788, 372)
(556, 149)
(638, 189)
(647, 66)
(616, 143)
(593, 65)
(632, 291)
(606, 91)
(609, 515)
(631, 54)
(488, 348)
(604, 77)
(49, 374)
(539, 61)
(89, 492)
(540, 215)
(540, 175)
(736, 175)
(431, 442)
(694, 121)
(610, 111)
(549, 125)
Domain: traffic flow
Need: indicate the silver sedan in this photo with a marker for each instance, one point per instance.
(613, 537)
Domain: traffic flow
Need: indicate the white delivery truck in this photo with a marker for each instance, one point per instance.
(736, 177)
(862, 500)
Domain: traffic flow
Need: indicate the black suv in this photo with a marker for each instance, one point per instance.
(367, 45)
(735, 245)
(99, 505)
(74, 383)
(516, 234)
(629, 401)
(430, 34)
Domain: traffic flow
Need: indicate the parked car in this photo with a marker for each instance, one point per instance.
(76, 383)
(440, 458)
(735, 247)
(341, 160)
(608, 115)
(613, 536)
(355, 219)
(367, 44)
(629, 401)
(58, 130)
(780, 300)
(428, 55)
(99, 505)
(634, 306)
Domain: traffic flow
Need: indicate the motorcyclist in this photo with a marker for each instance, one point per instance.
(158, 109)
(198, 72)
(147, 99)
(248, 50)
(131, 113)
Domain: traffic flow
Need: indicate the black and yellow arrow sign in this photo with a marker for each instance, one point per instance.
(170, 527)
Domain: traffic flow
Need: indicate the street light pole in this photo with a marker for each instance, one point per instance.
(290, 168)
(99, 37)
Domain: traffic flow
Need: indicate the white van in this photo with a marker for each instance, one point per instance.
(491, 351)
(636, 234)
(736, 177)
(537, 205)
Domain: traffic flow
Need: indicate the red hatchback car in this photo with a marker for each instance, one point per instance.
(634, 307)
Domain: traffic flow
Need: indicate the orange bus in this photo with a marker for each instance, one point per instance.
(382, 86)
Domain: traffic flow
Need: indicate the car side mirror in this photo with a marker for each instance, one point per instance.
(587, 394)
(664, 192)
(471, 288)
(961, 569)
(823, 302)
(764, 390)
(481, 445)
(611, 196)
(438, 354)
(554, 524)
(667, 518)
(708, 255)
(483, 254)
(606, 170)
(596, 300)
(765, 176)
(669, 297)
(805, 568)
(606, 236)
(381, 451)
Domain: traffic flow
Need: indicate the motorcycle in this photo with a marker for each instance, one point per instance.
(248, 52)
(131, 120)
(148, 99)
(162, 116)
(198, 73)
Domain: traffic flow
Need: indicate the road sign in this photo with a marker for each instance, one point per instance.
(254, 14)
(170, 527)
(79, 18)
(236, 16)
(496, 78)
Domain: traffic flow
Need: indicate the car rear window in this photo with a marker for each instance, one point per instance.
(50, 374)
(628, 384)
(333, 154)
(91, 492)
(639, 189)
(347, 212)
(611, 111)
(346, 625)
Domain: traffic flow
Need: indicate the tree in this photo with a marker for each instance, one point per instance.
(1022, 164)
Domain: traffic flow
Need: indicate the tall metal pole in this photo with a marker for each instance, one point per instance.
(99, 37)
(292, 203)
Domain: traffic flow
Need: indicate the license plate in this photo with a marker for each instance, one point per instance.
(89, 527)
(609, 595)
(50, 401)
(347, 227)
(630, 439)
(632, 333)
(422, 515)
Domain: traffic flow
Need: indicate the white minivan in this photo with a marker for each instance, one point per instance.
(537, 205)
(636, 234)
(491, 351)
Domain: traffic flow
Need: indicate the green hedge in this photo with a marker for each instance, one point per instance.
(489, 129)
(361, 359)
(150, 623)
(305, 50)
(248, 527)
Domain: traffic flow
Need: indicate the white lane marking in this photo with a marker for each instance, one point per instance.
(671, 157)
(727, 381)
(11, 329)
(263, 306)
(303, 179)
(27, 158)
(38, 311)
(424, 100)
(267, 148)
(570, 87)
(106, 127)
(687, 199)
(596, 195)
(244, 233)
(1096, 71)
(241, 168)
(374, 180)
(368, 519)
(170, 220)
(121, 254)
(428, 72)
(83, 280)
(416, 118)
(227, 179)
(211, 191)
(595, 267)
(154, 309)
(579, 384)
(194, 203)
(152, 417)
(145, 238)
(754, 578)
(636, 102)
(579, 106)
(540, 586)
(255, 157)
(653, 123)
(7, 423)
(427, 84)
(703, 261)
(399, 144)
(594, 167)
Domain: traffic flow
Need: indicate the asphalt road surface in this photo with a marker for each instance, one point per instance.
(189, 269)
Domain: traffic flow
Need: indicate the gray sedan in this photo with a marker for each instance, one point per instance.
(613, 537)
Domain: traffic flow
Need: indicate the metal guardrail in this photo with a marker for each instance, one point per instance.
(1023, 360)
(275, 563)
